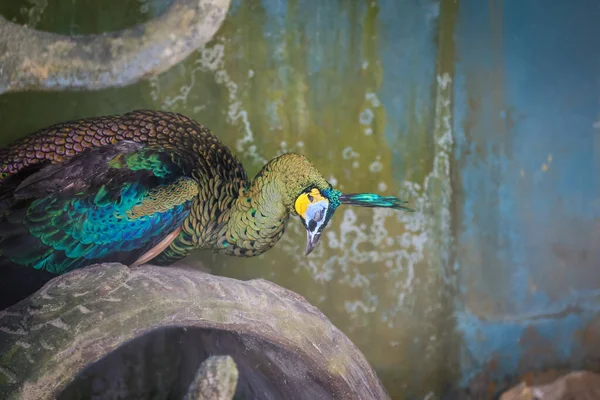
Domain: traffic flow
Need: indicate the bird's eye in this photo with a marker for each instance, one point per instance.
(310, 198)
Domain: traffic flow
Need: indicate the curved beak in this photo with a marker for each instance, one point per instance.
(311, 241)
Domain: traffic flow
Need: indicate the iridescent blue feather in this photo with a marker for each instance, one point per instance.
(79, 213)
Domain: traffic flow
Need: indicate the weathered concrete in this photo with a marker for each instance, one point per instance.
(35, 60)
(138, 332)
(578, 385)
(216, 379)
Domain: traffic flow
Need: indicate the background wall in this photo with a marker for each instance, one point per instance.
(484, 115)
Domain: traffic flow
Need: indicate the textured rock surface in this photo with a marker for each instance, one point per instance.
(112, 331)
(216, 379)
(35, 60)
(577, 385)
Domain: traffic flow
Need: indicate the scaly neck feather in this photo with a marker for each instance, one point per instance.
(251, 222)
(259, 215)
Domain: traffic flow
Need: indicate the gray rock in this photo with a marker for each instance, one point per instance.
(108, 331)
(216, 379)
(575, 385)
(36, 60)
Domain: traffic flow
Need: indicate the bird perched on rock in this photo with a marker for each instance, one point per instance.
(149, 186)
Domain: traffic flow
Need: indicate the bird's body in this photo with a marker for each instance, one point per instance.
(148, 185)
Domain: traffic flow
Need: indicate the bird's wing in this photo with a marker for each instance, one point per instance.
(112, 203)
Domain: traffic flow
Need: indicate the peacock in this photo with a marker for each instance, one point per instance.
(147, 186)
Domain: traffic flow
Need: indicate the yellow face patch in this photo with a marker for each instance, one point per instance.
(306, 199)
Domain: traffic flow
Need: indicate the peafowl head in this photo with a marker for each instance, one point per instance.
(306, 193)
(315, 207)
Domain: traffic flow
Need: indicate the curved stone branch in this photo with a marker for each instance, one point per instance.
(109, 320)
(36, 60)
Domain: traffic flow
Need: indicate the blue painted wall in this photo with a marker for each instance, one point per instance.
(528, 180)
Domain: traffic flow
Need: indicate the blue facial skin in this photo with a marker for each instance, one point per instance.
(319, 214)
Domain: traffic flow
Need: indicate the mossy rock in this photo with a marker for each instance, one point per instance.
(108, 331)
(36, 60)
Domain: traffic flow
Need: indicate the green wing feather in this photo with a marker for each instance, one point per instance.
(112, 203)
